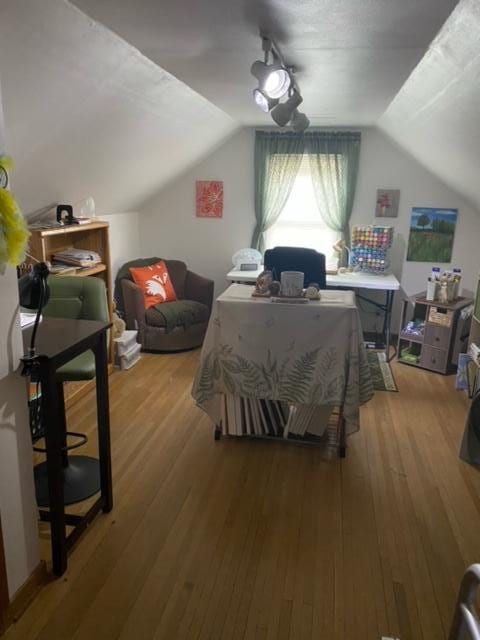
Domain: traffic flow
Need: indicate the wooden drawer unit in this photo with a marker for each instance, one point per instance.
(437, 336)
(431, 334)
(434, 359)
(441, 316)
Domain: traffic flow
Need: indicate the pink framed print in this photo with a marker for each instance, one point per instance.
(209, 198)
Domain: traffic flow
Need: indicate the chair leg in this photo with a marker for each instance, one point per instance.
(63, 418)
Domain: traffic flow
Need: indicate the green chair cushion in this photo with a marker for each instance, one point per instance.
(77, 298)
(181, 313)
(80, 368)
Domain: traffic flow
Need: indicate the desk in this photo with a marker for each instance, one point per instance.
(307, 354)
(59, 341)
(357, 280)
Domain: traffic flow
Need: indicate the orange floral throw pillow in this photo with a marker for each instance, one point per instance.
(155, 283)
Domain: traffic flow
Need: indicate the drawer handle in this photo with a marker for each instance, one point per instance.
(433, 360)
(437, 338)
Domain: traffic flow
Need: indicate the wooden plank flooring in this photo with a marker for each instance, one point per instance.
(259, 540)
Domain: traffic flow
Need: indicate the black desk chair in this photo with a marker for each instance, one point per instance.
(309, 261)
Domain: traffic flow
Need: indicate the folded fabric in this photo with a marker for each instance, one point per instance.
(182, 313)
(155, 282)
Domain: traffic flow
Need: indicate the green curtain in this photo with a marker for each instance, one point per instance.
(334, 157)
(277, 161)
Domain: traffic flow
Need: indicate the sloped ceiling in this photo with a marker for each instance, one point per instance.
(352, 55)
(88, 114)
(436, 114)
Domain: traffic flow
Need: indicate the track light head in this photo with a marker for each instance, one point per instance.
(273, 79)
(276, 80)
(283, 112)
(265, 103)
(299, 122)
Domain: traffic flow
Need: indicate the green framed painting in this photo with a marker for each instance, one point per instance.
(431, 234)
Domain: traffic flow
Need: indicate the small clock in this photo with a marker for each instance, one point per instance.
(3, 178)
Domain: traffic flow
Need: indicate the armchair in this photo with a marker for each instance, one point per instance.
(171, 326)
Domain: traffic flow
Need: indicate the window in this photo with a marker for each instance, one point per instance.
(300, 223)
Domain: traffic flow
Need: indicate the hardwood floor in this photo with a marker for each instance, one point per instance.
(259, 540)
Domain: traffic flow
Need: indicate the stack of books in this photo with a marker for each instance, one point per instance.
(59, 268)
(76, 257)
(262, 417)
(253, 416)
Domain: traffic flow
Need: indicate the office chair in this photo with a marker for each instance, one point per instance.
(76, 298)
(309, 261)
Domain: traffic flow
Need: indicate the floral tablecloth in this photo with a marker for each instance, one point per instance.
(309, 353)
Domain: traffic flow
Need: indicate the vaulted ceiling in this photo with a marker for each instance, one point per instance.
(113, 98)
(436, 114)
(353, 55)
(88, 114)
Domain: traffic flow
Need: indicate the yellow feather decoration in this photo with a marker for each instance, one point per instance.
(6, 163)
(14, 233)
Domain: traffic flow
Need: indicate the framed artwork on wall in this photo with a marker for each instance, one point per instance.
(387, 203)
(431, 234)
(209, 198)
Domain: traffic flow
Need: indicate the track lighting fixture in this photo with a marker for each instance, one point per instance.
(273, 79)
(284, 111)
(276, 80)
(299, 122)
(264, 102)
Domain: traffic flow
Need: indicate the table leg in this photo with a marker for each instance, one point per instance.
(103, 420)
(62, 414)
(53, 448)
(387, 322)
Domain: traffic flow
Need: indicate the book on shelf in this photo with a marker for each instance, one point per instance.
(59, 268)
(256, 428)
(231, 421)
(237, 401)
(268, 423)
(246, 416)
(224, 416)
(77, 257)
(272, 418)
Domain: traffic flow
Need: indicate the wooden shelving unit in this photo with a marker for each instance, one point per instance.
(44, 243)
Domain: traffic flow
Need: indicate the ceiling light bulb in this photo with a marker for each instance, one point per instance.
(283, 112)
(277, 83)
(262, 101)
(299, 122)
(273, 79)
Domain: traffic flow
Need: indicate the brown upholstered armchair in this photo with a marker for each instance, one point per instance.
(171, 326)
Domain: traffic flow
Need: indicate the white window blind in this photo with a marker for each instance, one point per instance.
(300, 223)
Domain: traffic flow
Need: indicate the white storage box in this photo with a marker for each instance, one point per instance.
(127, 360)
(125, 342)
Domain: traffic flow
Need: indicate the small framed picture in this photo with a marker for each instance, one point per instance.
(387, 203)
(209, 198)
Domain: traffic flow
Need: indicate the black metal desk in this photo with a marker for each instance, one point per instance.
(58, 341)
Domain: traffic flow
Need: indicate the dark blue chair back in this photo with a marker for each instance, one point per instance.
(309, 261)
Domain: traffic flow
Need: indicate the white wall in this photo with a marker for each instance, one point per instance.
(169, 227)
(384, 165)
(124, 235)
(17, 497)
